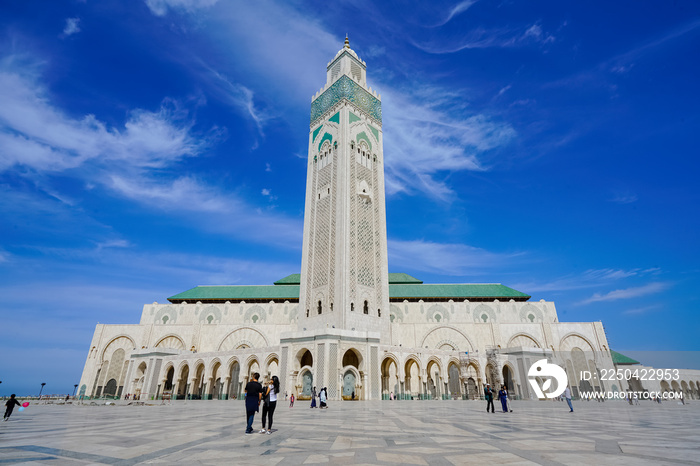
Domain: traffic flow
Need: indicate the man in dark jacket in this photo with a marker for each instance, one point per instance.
(488, 394)
(253, 395)
(10, 406)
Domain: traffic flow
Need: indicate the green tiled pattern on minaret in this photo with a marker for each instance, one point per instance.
(316, 131)
(335, 118)
(354, 117)
(373, 129)
(346, 88)
(363, 135)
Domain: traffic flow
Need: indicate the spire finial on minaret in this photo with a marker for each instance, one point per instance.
(347, 42)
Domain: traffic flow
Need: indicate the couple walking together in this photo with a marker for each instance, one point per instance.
(254, 394)
(322, 397)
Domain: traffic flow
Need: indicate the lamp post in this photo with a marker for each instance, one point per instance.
(75, 387)
(42, 389)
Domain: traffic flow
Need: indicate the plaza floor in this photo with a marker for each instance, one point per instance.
(377, 433)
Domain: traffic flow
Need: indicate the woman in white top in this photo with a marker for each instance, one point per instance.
(270, 403)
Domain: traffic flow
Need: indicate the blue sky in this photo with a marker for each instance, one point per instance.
(147, 147)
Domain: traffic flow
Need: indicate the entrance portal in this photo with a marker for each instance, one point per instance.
(349, 385)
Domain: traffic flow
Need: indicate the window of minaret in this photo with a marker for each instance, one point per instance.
(366, 308)
(352, 307)
(307, 313)
(319, 307)
(379, 312)
(331, 307)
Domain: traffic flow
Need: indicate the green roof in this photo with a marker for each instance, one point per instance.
(456, 291)
(237, 293)
(403, 279)
(293, 279)
(621, 359)
(288, 289)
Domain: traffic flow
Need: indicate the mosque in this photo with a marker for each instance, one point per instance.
(344, 322)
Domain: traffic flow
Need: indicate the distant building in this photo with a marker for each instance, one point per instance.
(345, 322)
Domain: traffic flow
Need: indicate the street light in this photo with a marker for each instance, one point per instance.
(42, 389)
(75, 387)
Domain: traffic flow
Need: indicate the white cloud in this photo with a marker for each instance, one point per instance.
(71, 27)
(268, 168)
(456, 10)
(161, 7)
(444, 258)
(265, 192)
(624, 198)
(430, 137)
(131, 161)
(628, 293)
(589, 279)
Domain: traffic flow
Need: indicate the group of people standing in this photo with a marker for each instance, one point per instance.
(255, 394)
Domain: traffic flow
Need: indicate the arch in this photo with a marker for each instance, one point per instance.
(110, 388)
(390, 376)
(352, 357)
(183, 377)
(508, 374)
(306, 382)
(169, 376)
(120, 341)
(573, 340)
(198, 381)
(171, 341)
(254, 311)
(446, 335)
(166, 315)
(434, 372)
(351, 383)
(530, 313)
(412, 382)
(483, 314)
(304, 358)
(395, 313)
(454, 379)
(525, 340)
(437, 313)
(210, 315)
(234, 371)
(213, 366)
(243, 336)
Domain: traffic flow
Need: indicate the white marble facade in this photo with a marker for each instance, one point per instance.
(339, 327)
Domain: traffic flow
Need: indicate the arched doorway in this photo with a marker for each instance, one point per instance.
(433, 382)
(111, 388)
(390, 379)
(215, 381)
(349, 382)
(234, 390)
(198, 383)
(139, 380)
(183, 386)
(307, 383)
(508, 380)
(412, 381)
(453, 381)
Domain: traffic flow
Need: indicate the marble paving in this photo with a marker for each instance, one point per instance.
(377, 433)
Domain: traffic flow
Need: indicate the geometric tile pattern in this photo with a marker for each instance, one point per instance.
(376, 432)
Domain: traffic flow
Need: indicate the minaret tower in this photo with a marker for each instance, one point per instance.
(344, 272)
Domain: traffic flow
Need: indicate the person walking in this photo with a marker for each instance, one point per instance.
(291, 401)
(567, 395)
(323, 396)
(488, 396)
(313, 397)
(270, 403)
(10, 406)
(503, 396)
(253, 395)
